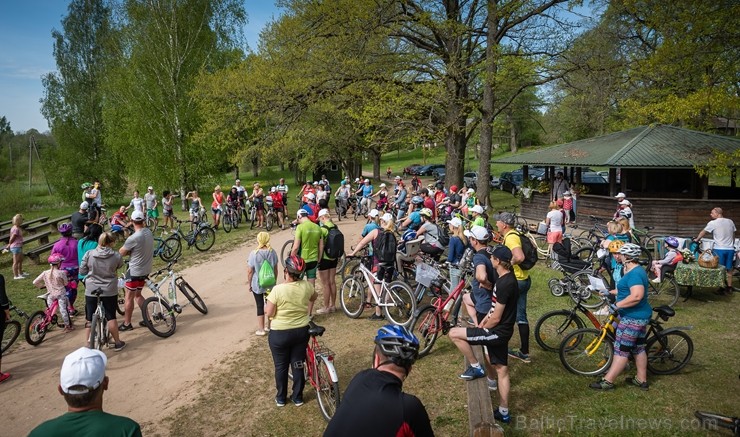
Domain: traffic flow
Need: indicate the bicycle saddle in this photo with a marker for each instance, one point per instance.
(664, 312)
(315, 330)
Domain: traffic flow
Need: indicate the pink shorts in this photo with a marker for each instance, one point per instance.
(554, 237)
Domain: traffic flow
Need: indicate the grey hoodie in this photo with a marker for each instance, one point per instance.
(100, 266)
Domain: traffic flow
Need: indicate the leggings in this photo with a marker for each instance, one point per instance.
(259, 299)
(63, 302)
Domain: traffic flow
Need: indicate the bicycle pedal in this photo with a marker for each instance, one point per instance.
(177, 308)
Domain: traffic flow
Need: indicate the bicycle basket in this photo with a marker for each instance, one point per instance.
(425, 274)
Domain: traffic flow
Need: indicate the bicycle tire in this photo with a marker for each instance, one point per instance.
(327, 391)
(35, 329)
(159, 317)
(587, 254)
(338, 210)
(192, 296)
(98, 335)
(11, 334)
(235, 219)
(226, 222)
(556, 288)
(668, 353)
(121, 301)
(350, 268)
(172, 247)
(576, 360)
(426, 327)
(552, 327)
(205, 238)
(352, 296)
(357, 210)
(590, 299)
(645, 259)
(666, 292)
(402, 312)
(285, 251)
(269, 221)
(152, 224)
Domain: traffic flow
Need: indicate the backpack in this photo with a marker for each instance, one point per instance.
(530, 252)
(385, 248)
(442, 236)
(334, 245)
(266, 275)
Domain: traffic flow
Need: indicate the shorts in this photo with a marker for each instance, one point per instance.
(630, 338)
(384, 272)
(16, 250)
(554, 237)
(167, 212)
(726, 257)
(278, 210)
(311, 269)
(497, 347)
(327, 264)
(216, 210)
(135, 283)
(152, 213)
(109, 306)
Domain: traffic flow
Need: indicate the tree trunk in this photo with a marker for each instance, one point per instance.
(236, 172)
(256, 166)
(483, 188)
(376, 163)
(513, 139)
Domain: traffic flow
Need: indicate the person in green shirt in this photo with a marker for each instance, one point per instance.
(310, 244)
(82, 382)
(327, 266)
(478, 220)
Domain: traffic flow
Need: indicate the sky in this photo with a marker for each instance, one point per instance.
(26, 53)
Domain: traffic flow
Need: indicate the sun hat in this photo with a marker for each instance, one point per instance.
(387, 217)
(456, 222)
(478, 232)
(373, 213)
(382, 185)
(477, 208)
(624, 202)
(84, 367)
(471, 191)
(149, 187)
(622, 195)
(367, 180)
(84, 205)
(310, 196)
(506, 218)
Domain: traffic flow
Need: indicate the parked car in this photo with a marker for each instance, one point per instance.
(471, 180)
(428, 169)
(439, 173)
(411, 168)
(592, 177)
(511, 181)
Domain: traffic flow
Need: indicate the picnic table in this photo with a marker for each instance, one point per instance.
(693, 275)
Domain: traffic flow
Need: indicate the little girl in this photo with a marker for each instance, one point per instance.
(15, 245)
(568, 207)
(671, 258)
(55, 281)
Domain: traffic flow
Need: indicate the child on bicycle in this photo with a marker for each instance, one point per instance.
(55, 281)
(669, 261)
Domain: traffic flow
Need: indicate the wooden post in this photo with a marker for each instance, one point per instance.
(480, 411)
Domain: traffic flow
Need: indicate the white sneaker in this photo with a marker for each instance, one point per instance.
(323, 311)
(259, 332)
(19, 277)
(655, 281)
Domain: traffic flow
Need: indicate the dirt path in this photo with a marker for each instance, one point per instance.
(151, 377)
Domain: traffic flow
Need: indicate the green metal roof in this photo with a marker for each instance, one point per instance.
(655, 146)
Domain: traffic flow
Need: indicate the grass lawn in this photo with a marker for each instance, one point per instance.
(545, 398)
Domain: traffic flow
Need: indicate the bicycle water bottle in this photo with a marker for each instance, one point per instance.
(448, 306)
(171, 293)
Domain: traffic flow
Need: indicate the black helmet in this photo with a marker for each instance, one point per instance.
(295, 265)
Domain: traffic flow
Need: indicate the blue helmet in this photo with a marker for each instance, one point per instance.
(408, 235)
(417, 200)
(398, 344)
(671, 241)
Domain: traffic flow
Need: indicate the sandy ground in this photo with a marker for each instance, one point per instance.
(152, 376)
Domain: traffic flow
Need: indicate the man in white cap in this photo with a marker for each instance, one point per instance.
(620, 197)
(477, 213)
(625, 211)
(82, 382)
(140, 247)
(150, 199)
(79, 221)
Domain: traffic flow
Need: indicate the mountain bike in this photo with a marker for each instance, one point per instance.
(288, 246)
(13, 329)
(714, 421)
(99, 335)
(251, 212)
(203, 238)
(320, 372)
(151, 222)
(166, 249)
(270, 216)
(362, 208)
(41, 322)
(552, 327)
(591, 351)
(396, 298)
(230, 218)
(158, 314)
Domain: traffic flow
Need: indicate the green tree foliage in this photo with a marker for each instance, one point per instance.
(73, 100)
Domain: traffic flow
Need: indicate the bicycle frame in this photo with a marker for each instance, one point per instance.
(371, 279)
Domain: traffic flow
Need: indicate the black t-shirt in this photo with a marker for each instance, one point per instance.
(455, 199)
(506, 292)
(375, 405)
(78, 222)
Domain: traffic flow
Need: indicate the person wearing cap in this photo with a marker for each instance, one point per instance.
(282, 188)
(150, 200)
(429, 230)
(559, 186)
(453, 201)
(327, 267)
(382, 196)
(373, 222)
(400, 200)
(396, 180)
(469, 201)
(366, 192)
(478, 301)
(476, 211)
(99, 267)
(382, 271)
(620, 197)
(456, 248)
(278, 206)
(429, 202)
(308, 240)
(341, 197)
(570, 216)
(4, 317)
(139, 247)
(82, 382)
(311, 207)
(505, 223)
(79, 220)
(493, 330)
(625, 210)
(55, 280)
(137, 203)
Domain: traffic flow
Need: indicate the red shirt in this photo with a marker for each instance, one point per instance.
(429, 203)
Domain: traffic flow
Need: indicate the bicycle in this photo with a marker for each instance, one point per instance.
(203, 238)
(41, 322)
(591, 351)
(288, 246)
(166, 249)
(270, 216)
(13, 329)
(433, 319)
(553, 326)
(230, 218)
(713, 421)
(252, 212)
(362, 207)
(320, 372)
(151, 222)
(157, 311)
(396, 298)
(99, 335)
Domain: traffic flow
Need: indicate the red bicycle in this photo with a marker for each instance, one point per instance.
(442, 314)
(40, 322)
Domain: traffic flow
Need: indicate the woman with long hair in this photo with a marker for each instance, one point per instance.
(257, 258)
(15, 246)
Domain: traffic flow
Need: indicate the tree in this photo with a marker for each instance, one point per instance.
(73, 99)
(6, 133)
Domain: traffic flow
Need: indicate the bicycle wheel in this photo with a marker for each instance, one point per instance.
(668, 353)
(269, 221)
(285, 251)
(152, 224)
(553, 326)
(121, 301)
(98, 333)
(36, 328)
(327, 391)
(349, 268)
(352, 296)
(192, 296)
(575, 355)
(12, 331)
(520, 221)
(252, 217)
(426, 327)
(587, 254)
(589, 299)
(664, 293)
(172, 247)
(158, 317)
(226, 222)
(404, 304)
(235, 219)
(204, 239)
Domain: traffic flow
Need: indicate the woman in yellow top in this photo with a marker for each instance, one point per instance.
(287, 307)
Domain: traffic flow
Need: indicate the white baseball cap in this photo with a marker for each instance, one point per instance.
(387, 217)
(398, 178)
(478, 232)
(382, 185)
(150, 188)
(624, 202)
(367, 180)
(477, 208)
(137, 216)
(456, 222)
(471, 191)
(622, 195)
(323, 212)
(311, 196)
(83, 369)
(357, 179)
(373, 213)
(84, 205)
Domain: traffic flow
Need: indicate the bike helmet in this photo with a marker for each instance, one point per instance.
(65, 228)
(398, 344)
(453, 188)
(615, 245)
(55, 258)
(671, 241)
(426, 212)
(86, 185)
(630, 250)
(295, 265)
(417, 200)
(408, 235)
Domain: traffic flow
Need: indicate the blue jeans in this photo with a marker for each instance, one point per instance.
(521, 304)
